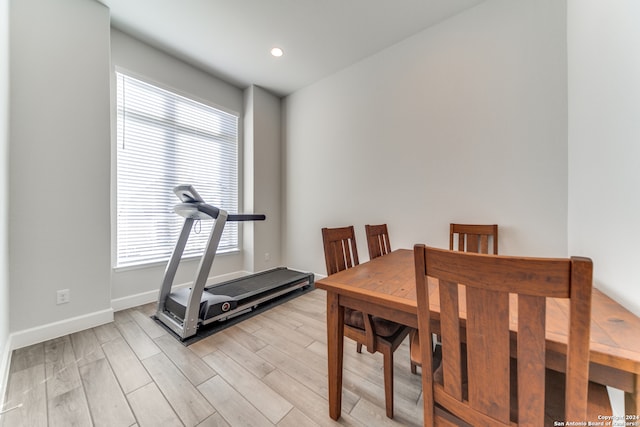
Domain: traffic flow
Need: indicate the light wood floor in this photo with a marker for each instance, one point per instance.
(268, 370)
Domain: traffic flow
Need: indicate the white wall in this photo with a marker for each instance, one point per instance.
(262, 179)
(604, 142)
(61, 166)
(4, 193)
(156, 66)
(59, 177)
(464, 122)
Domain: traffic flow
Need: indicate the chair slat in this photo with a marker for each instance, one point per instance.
(488, 352)
(484, 244)
(531, 358)
(450, 327)
(472, 243)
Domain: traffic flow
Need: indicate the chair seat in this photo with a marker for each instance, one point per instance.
(383, 327)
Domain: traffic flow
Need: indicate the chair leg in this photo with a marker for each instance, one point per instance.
(387, 354)
(359, 347)
(414, 350)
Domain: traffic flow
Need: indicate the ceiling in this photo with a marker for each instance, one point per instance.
(231, 39)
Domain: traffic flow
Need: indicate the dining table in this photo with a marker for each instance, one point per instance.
(385, 287)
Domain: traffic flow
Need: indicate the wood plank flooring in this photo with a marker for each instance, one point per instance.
(269, 370)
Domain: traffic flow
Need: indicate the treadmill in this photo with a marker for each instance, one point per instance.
(184, 310)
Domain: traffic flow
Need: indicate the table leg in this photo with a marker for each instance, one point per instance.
(335, 343)
(632, 400)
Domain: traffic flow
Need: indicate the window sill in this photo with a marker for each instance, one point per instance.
(163, 264)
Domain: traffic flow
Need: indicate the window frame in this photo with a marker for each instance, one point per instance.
(115, 202)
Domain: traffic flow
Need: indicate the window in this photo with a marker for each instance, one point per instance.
(164, 140)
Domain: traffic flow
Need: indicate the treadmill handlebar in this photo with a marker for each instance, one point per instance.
(246, 217)
(199, 210)
(196, 210)
(193, 206)
(211, 211)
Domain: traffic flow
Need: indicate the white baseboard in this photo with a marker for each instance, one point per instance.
(39, 334)
(68, 326)
(152, 296)
(123, 303)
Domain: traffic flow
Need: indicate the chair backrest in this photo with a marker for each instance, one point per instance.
(377, 240)
(476, 381)
(473, 238)
(340, 249)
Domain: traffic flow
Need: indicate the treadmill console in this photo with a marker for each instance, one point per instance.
(187, 194)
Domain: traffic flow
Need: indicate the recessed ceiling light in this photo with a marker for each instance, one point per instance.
(277, 52)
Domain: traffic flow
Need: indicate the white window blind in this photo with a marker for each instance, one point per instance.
(165, 139)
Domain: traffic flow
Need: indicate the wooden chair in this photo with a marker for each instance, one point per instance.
(378, 245)
(377, 334)
(377, 240)
(489, 375)
(466, 238)
(473, 238)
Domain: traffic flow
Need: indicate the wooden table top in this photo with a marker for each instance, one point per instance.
(390, 281)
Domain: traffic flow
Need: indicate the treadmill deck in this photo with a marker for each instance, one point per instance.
(234, 297)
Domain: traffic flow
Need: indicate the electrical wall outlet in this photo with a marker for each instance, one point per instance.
(63, 296)
(267, 257)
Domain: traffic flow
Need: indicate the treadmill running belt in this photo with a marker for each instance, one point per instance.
(258, 283)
